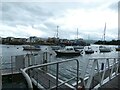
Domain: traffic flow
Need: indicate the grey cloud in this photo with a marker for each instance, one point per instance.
(32, 12)
(22, 13)
(114, 6)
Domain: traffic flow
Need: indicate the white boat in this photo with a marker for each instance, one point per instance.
(89, 50)
(103, 48)
(31, 47)
(68, 51)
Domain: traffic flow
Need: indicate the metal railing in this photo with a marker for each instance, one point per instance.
(26, 72)
(100, 72)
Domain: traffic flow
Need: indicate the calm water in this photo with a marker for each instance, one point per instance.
(6, 51)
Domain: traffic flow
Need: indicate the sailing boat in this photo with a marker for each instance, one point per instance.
(103, 48)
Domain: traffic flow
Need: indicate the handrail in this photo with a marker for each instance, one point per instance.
(30, 86)
(107, 68)
(28, 79)
(103, 58)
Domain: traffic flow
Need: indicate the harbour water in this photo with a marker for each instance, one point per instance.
(13, 50)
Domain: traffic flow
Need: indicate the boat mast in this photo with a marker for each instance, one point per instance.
(104, 33)
(57, 31)
(77, 33)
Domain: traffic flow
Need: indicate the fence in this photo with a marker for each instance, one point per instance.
(15, 63)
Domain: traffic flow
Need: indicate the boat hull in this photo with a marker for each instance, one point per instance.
(67, 53)
(105, 50)
(89, 52)
(31, 48)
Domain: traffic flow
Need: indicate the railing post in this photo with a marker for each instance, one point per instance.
(0, 73)
(57, 71)
(91, 74)
(117, 66)
(118, 62)
(45, 60)
(98, 71)
(77, 73)
(103, 75)
(108, 68)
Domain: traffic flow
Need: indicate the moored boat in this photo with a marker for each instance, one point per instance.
(104, 49)
(89, 51)
(68, 51)
(31, 48)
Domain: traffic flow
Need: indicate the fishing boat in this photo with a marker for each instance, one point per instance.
(104, 48)
(89, 51)
(68, 51)
(31, 48)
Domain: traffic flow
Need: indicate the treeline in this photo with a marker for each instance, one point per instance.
(13, 43)
(113, 42)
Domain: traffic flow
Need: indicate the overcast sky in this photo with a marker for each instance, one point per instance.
(25, 19)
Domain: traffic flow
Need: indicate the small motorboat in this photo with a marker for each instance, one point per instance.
(68, 51)
(89, 51)
(104, 49)
(31, 48)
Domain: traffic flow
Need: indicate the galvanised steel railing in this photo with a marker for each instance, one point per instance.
(104, 71)
(26, 72)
